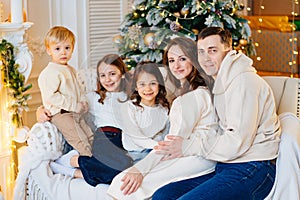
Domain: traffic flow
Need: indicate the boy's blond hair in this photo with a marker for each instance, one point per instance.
(57, 34)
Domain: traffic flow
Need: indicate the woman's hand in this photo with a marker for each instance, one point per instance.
(171, 147)
(42, 114)
(131, 181)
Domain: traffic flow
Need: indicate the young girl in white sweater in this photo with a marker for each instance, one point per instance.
(145, 117)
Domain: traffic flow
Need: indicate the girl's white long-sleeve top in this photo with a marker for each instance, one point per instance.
(142, 126)
(108, 113)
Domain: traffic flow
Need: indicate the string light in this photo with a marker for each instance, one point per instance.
(6, 146)
(12, 102)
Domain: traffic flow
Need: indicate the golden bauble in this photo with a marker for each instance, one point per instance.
(135, 15)
(148, 38)
(195, 31)
(184, 11)
(118, 39)
(176, 14)
(243, 42)
(132, 46)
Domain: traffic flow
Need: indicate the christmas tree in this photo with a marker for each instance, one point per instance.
(152, 23)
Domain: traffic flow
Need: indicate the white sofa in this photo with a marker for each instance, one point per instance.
(43, 184)
(286, 92)
(287, 96)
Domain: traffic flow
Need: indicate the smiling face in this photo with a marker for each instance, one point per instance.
(148, 87)
(110, 77)
(60, 52)
(211, 53)
(180, 65)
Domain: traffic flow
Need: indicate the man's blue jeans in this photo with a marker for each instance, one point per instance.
(250, 180)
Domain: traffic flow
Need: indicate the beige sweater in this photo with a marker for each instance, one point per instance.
(59, 88)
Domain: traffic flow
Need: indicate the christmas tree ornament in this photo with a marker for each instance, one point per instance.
(118, 39)
(176, 14)
(135, 15)
(142, 7)
(175, 26)
(149, 38)
(184, 11)
(195, 31)
(132, 46)
(134, 32)
(243, 42)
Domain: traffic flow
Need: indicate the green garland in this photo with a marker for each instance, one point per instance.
(14, 81)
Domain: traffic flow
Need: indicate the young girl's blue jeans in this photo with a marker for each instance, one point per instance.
(109, 157)
(138, 155)
(238, 181)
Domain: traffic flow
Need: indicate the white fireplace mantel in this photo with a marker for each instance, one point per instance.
(14, 33)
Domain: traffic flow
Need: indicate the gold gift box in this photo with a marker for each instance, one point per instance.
(276, 51)
(279, 23)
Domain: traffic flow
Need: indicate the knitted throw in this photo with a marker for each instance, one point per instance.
(45, 142)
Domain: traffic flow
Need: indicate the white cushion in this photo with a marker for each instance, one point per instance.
(286, 92)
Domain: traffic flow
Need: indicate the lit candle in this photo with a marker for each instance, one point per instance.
(16, 8)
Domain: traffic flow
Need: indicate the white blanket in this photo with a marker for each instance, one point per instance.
(46, 144)
(43, 184)
(287, 181)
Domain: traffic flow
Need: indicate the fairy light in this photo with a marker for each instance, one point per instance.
(6, 145)
(197, 13)
(294, 54)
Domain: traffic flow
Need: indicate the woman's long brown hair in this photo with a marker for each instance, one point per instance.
(197, 77)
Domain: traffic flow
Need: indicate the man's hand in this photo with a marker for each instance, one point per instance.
(171, 147)
(131, 181)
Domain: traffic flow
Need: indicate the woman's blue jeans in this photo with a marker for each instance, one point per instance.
(238, 181)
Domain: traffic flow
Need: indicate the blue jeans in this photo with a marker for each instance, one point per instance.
(109, 158)
(138, 155)
(249, 180)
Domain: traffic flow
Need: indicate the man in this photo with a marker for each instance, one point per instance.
(247, 141)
